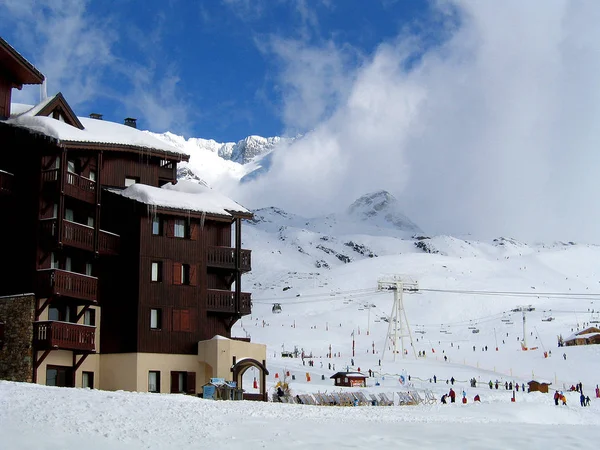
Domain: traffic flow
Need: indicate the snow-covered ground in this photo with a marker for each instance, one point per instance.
(324, 274)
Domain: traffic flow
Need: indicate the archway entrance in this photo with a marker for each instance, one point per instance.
(241, 366)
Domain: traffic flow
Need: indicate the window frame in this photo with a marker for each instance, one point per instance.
(157, 220)
(156, 389)
(156, 277)
(179, 225)
(90, 379)
(89, 317)
(185, 274)
(158, 319)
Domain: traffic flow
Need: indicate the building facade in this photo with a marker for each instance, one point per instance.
(129, 270)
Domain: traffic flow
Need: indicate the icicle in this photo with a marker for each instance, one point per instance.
(202, 217)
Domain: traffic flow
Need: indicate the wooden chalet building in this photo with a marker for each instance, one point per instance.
(589, 336)
(130, 271)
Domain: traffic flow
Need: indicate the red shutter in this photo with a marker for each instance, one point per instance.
(177, 320)
(184, 315)
(191, 383)
(174, 382)
(193, 275)
(176, 273)
(170, 227)
(193, 231)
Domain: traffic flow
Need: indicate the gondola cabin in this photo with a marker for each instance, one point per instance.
(276, 308)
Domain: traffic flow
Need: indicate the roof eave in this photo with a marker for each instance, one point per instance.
(166, 154)
(32, 75)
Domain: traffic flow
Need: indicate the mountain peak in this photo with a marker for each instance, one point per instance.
(382, 209)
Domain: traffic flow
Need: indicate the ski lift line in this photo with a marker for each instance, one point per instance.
(331, 294)
(316, 300)
(513, 293)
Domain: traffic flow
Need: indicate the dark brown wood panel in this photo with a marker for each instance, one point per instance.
(117, 166)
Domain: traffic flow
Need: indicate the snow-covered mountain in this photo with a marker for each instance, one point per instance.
(211, 161)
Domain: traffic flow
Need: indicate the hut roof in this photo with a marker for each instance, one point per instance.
(348, 375)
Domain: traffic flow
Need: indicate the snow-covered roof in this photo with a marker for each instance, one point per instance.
(581, 336)
(186, 196)
(95, 131)
(349, 374)
(218, 337)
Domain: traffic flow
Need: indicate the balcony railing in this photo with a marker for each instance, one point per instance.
(81, 236)
(80, 187)
(109, 243)
(64, 336)
(6, 182)
(224, 301)
(51, 282)
(224, 257)
(75, 185)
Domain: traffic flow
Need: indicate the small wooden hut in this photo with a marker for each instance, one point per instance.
(219, 389)
(538, 386)
(588, 336)
(350, 379)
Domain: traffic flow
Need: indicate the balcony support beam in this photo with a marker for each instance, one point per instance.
(77, 364)
(38, 362)
(81, 313)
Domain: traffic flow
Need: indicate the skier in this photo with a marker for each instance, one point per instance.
(452, 395)
(491, 384)
(582, 399)
(452, 381)
(434, 379)
(556, 397)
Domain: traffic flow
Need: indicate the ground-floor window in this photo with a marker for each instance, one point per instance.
(87, 380)
(183, 382)
(154, 381)
(59, 376)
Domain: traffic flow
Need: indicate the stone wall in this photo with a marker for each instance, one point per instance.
(16, 356)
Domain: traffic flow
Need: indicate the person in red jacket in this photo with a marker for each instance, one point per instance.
(452, 395)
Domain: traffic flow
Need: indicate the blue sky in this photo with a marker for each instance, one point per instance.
(215, 69)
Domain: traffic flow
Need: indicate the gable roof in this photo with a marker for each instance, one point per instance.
(57, 104)
(348, 374)
(21, 70)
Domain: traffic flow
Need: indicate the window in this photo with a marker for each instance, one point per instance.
(154, 381)
(68, 263)
(90, 221)
(89, 317)
(87, 380)
(157, 271)
(55, 211)
(185, 274)
(179, 228)
(156, 226)
(59, 376)
(69, 215)
(53, 261)
(155, 319)
(61, 313)
(71, 166)
(92, 175)
(88, 269)
(183, 382)
(181, 320)
(130, 180)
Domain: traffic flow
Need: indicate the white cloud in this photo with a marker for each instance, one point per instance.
(493, 132)
(76, 51)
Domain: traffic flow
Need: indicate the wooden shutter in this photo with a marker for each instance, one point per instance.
(169, 227)
(193, 275)
(177, 320)
(177, 273)
(191, 383)
(193, 231)
(174, 382)
(184, 319)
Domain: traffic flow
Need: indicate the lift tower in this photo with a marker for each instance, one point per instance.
(398, 326)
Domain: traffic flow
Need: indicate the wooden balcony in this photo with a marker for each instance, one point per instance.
(75, 186)
(224, 302)
(6, 183)
(53, 335)
(80, 187)
(80, 236)
(56, 282)
(224, 257)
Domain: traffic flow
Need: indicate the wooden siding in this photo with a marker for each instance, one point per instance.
(118, 166)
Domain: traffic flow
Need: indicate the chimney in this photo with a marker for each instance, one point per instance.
(131, 122)
(96, 116)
